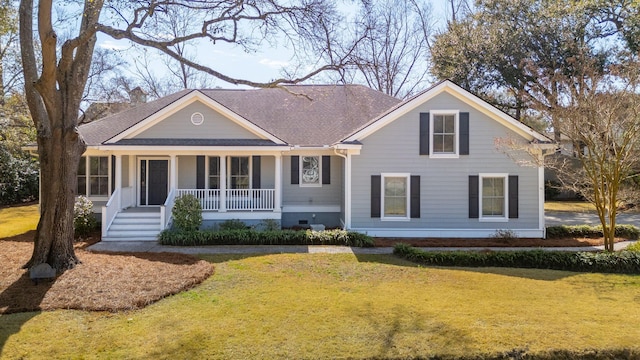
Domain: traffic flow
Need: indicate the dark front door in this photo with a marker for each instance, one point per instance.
(154, 181)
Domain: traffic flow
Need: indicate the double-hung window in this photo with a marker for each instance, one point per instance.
(395, 196)
(444, 134)
(239, 172)
(493, 197)
(214, 172)
(93, 176)
(310, 171)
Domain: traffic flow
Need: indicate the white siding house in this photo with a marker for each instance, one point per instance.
(342, 156)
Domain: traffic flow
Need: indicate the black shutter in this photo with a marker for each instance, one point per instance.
(415, 197)
(424, 133)
(513, 196)
(375, 195)
(464, 133)
(200, 169)
(326, 169)
(113, 173)
(295, 170)
(473, 197)
(256, 173)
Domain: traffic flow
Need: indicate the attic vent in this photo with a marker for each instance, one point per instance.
(197, 118)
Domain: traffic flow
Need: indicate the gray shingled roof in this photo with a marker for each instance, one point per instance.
(306, 115)
(196, 142)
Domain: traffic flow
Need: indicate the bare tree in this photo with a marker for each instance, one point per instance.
(55, 81)
(10, 69)
(605, 130)
(393, 53)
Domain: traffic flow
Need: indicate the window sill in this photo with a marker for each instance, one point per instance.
(444, 156)
(395, 219)
(492, 219)
(310, 185)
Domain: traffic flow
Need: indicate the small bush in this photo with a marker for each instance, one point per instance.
(187, 213)
(635, 247)
(585, 231)
(625, 262)
(233, 224)
(84, 222)
(268, 225)
(504, 234)
(269, 237)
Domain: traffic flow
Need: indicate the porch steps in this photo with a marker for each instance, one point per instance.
(133, 225)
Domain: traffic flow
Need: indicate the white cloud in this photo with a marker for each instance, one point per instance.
(275, 64)
(114, 45)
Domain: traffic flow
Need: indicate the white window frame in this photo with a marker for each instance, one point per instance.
(456, 153)
(88, 177)
(208, 171)
(229, 175)
(407, 177)
(300, 172)
(505, 216)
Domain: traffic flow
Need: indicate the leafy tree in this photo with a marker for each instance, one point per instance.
(55, 80)
(535, 54)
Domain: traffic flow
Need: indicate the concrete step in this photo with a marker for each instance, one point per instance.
(130, 238)
(116, 226)
(133, 220)
(139, 215)
(132, 233)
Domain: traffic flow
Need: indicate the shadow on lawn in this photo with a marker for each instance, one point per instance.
(20, 297)
(525, 273)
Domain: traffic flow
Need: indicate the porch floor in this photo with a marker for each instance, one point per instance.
(143, 209)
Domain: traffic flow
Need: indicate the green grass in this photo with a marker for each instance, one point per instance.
(342, 306)
(570, 206)
(18, 220)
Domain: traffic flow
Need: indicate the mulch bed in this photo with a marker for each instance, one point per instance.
(102, 282)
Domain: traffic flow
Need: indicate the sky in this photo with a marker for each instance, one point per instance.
(261, 66)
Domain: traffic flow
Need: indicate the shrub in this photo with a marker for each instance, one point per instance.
(268, 225)
(269, 237)
(233, 224)
(18, 178)
(187, 213)
(504, 234)
(625, 262)
(83, 219)
(635, 247)
(570, 231)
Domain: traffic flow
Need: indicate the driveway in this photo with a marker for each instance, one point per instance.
(580, 218)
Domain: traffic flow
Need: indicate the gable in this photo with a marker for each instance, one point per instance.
(466, 100)
(178, 125)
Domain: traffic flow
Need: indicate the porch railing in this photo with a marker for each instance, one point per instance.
(110, 210)
(128, 197)
(233, 199)
(166, 210)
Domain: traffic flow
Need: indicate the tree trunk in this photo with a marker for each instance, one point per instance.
(59, 157)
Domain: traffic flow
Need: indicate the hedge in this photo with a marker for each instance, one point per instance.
(625, 262)
(271, 237)
(585, 231)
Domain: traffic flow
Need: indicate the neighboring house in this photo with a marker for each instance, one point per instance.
(343, 156)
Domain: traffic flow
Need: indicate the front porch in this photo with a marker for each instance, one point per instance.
(228, 187)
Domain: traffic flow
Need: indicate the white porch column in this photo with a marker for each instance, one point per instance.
(173, 172)
(347, 192)
(223, 184)
(118, 177)
(277, 200)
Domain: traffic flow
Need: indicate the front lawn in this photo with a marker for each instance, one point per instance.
(18, 220)
(347, 306)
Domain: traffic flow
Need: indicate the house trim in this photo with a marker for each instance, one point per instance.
(183, 102)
